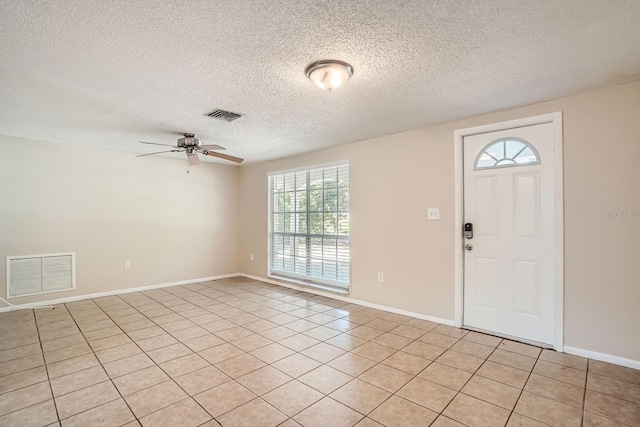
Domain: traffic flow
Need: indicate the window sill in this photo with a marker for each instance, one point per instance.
(311, 285)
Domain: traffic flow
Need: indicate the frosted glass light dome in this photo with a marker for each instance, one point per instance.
(329, 75)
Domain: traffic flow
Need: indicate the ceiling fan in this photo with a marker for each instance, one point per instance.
(192, 146)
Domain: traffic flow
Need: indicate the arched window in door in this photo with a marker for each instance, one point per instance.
(507, 152)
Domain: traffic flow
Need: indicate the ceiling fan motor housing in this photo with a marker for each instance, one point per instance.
(189, 140)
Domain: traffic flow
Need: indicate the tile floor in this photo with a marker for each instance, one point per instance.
(237, 352)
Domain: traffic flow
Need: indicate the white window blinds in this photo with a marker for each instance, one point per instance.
(309, 225)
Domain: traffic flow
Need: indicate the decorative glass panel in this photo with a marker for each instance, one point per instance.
(507, 152)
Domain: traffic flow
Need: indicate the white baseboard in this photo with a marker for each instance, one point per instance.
(350, 300)
(116, 292)
(603, 357)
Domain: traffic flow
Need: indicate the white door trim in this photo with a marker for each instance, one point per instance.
(458, 135)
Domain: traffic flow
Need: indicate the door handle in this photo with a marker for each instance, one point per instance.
(468, 247)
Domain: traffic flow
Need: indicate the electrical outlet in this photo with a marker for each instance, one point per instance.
(251, 257)
(127, 265)
(433, 214)
(380, 277)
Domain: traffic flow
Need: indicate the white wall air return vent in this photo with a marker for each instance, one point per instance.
(40, 274)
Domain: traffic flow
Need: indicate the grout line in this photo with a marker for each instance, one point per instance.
(46, 367)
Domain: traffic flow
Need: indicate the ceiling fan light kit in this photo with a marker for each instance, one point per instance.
(329, 74)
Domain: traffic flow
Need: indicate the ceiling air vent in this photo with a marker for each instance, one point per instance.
(224, 115)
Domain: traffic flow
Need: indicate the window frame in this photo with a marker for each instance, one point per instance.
(304, 279)
(485, 149)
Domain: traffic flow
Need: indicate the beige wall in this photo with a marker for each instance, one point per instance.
(108, 207)
(394, 179)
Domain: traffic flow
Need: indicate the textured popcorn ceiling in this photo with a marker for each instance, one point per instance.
(107, 74)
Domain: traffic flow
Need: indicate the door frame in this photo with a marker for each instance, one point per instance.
(458, 135)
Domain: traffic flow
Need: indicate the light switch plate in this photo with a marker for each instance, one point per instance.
(433, 214)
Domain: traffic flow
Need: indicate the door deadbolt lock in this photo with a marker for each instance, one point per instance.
(468, 231)
(468, 247)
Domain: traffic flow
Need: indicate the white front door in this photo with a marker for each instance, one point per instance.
(509, 269)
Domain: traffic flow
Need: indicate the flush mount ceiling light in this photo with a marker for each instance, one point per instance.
(329, 75)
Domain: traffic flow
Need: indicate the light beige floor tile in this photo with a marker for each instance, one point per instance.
(514, 360)
(573, 376)
(240, 365)
(116, 353)
(328, 412)
(66, 353)
(406, 362)
(483, 339)
(612, 387)
(565, 359)
(149, 400)
(220, 353)
(392, 340)
(256, 413)
(520, 348)
(373, 351)
(346, 342)
(183, 365)
(424, 350)
(548, 411)
(69, 366)
(102, 333)
(224, 398)
(23, 379)
(325, 379)
(77, 380)
(611, 407)
(517, 420)
(278, 333)
(115, 413)
(292, 397)
(451, 331)
(322, 333)
(425, 393)
(408, 331)
(461, 361)
(382, 324)
(491, 391)
(504, 374)
(323, 352)
(201, 380)
(189, 333)
(18, 352)
(156, 342)
(556, 390)
(386, 377)
(127, 365)
(233, 333)
(143, 334)
(251, 342)
(298, 342)
(40, 414)
(272, 352)
(204, 342)
(139, 380)
(18, 365)
(593, 420)
(434, 338)
(621, 373)
(445, 375)
(295, 365)
(360, 395)
(263, 380)
(108, 342)
(399, 412)
(24, 397)
(171, 352)
(368, 422)
(86, 398)
(443, 421)
(185, 413)
(134, 326)
(474, 412)
(63, 342)
(365, 332)
(473, 349)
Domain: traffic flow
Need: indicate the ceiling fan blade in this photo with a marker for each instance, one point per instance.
(158, 152)
(155, 143)
(211, 147)
(193, 159)
(223, 156)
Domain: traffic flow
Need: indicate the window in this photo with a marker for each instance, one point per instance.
(507, 152)
(309, 225)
